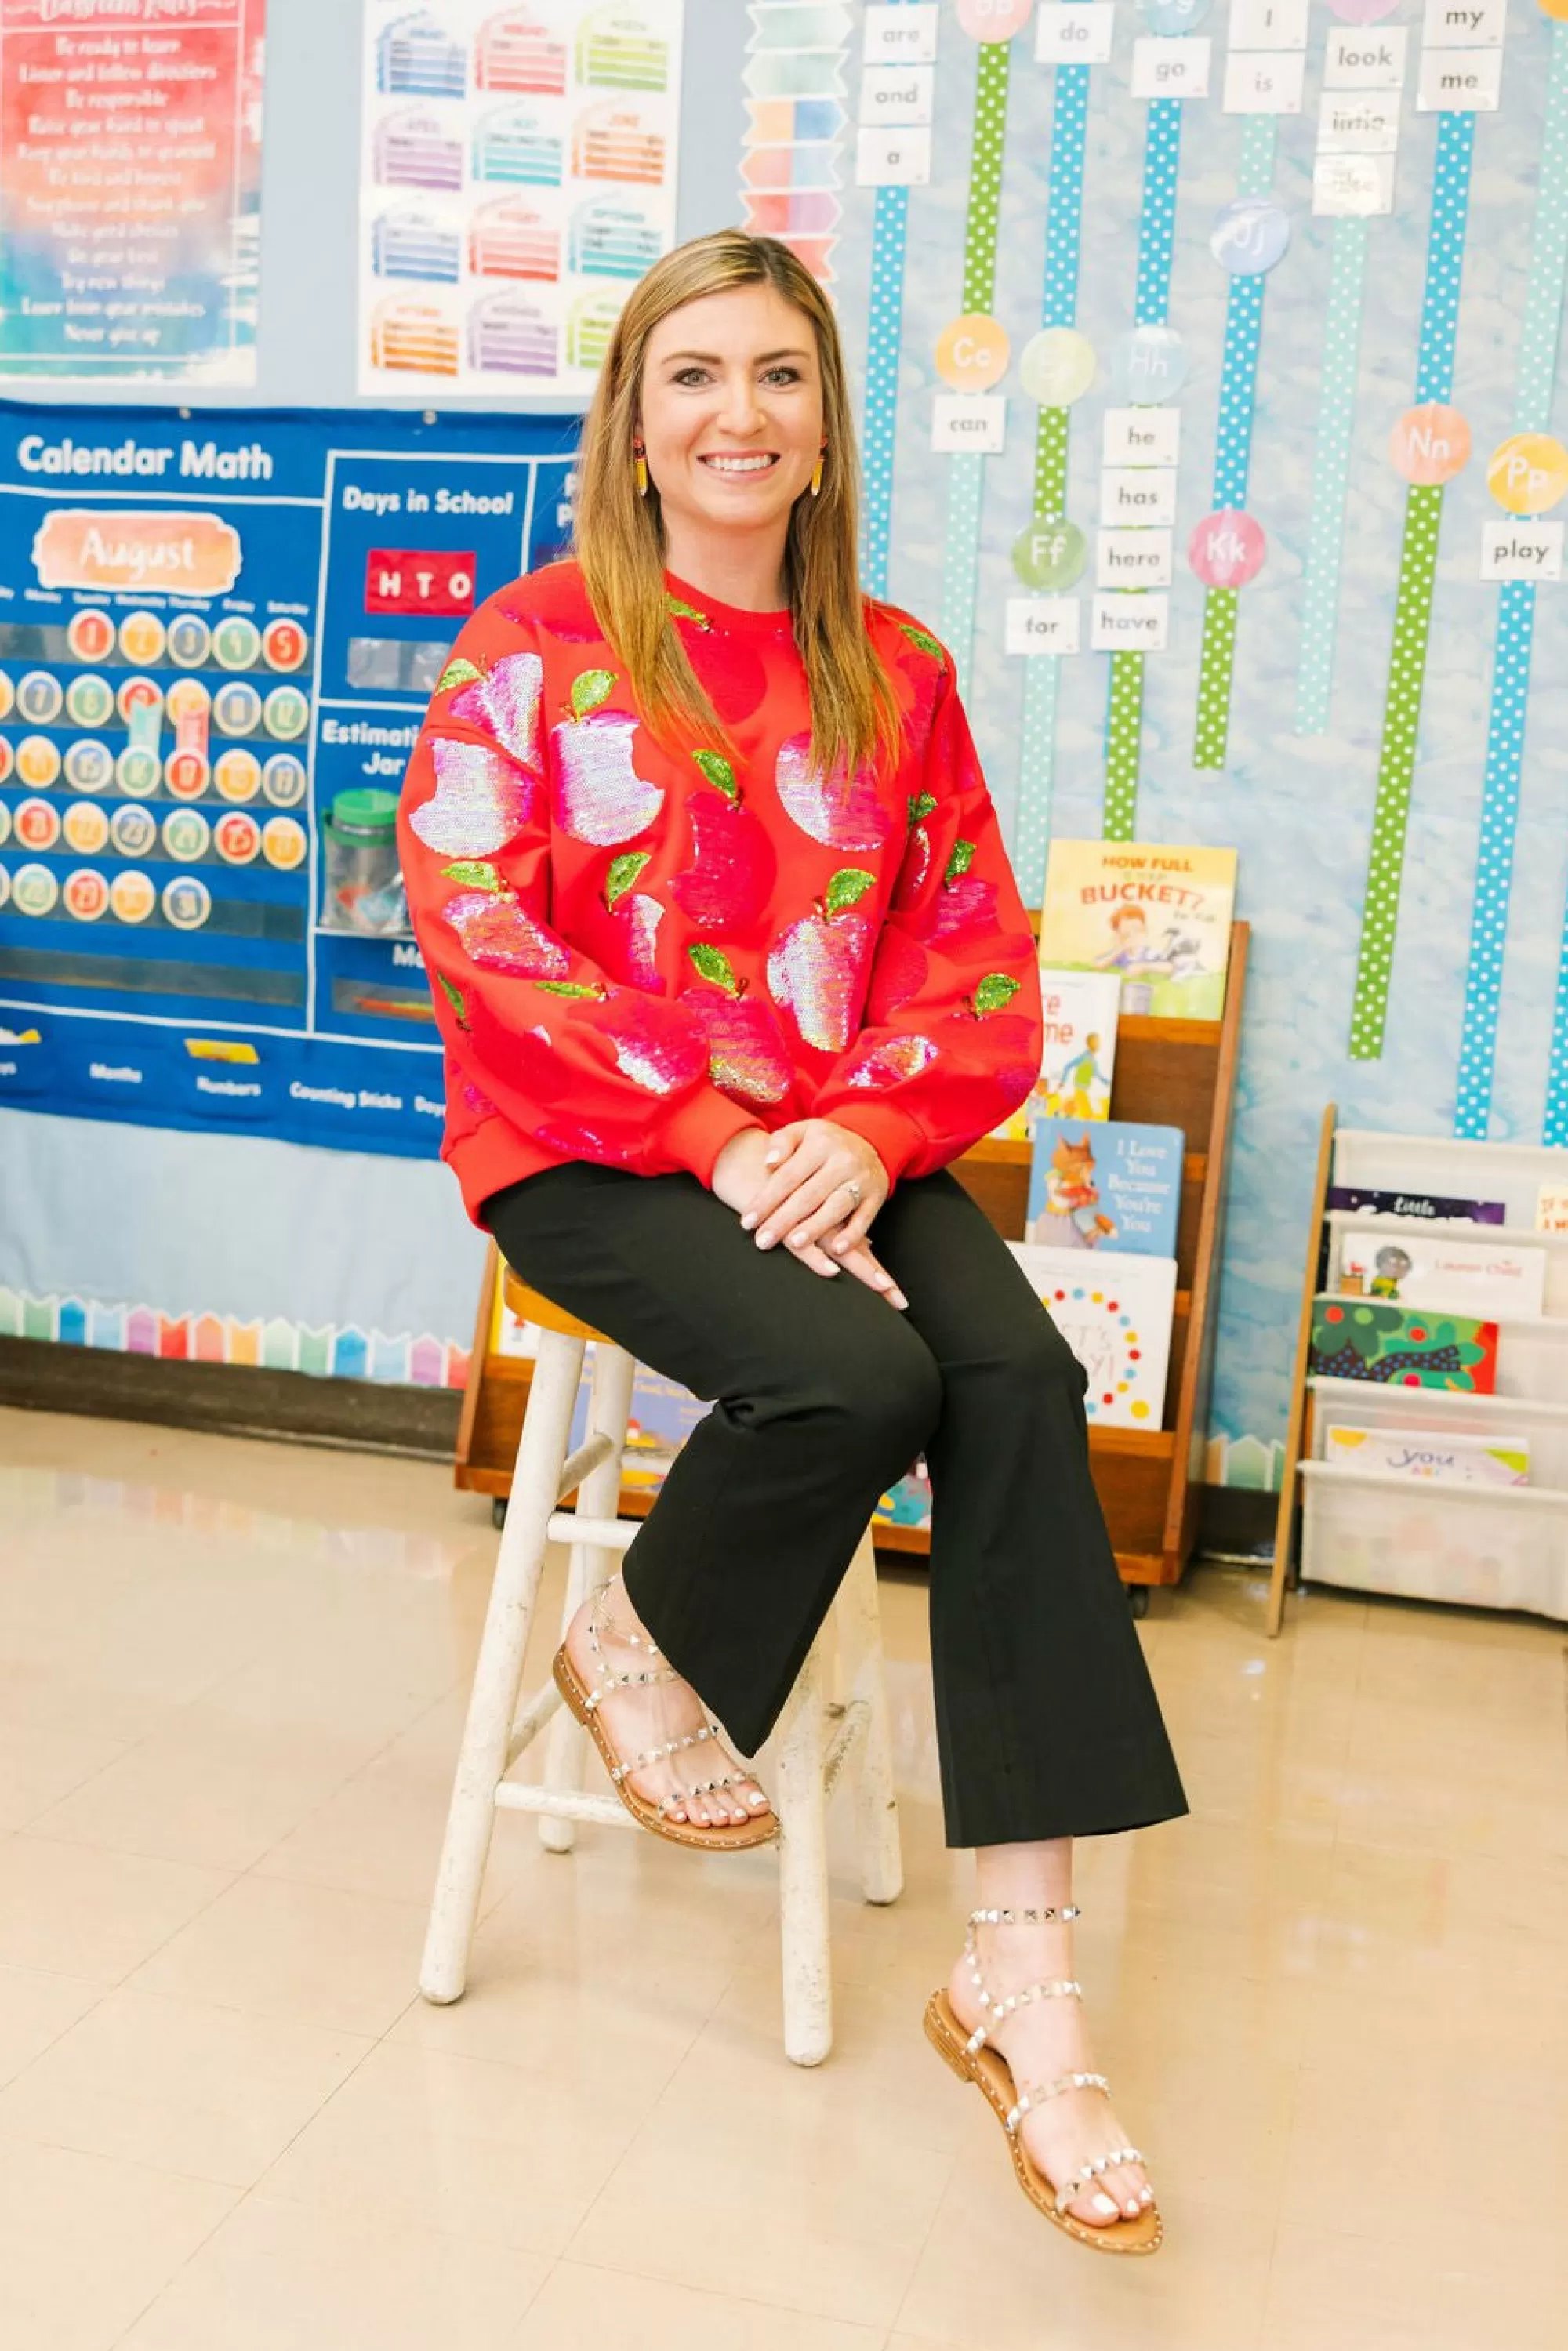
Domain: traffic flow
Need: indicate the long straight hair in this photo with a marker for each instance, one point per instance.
(620, 537)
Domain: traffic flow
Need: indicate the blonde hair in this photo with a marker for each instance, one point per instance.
(619, 537)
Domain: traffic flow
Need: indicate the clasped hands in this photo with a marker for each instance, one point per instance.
(790, 1186)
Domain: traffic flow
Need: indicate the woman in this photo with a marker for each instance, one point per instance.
(730, 965)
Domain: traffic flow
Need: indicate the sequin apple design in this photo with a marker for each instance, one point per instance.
(839, 809)
(598, 795)
(814, 968)
(979, 1095)
(654, 1044)
(893, 1062)
(746, 1053)
(726, 886)
(496, 931)
(482, 800)
(926, 680)
(916, 866)
(963, 902)
(634, 920)
(504, 704)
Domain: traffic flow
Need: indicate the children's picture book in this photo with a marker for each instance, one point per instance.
(907, 1504)
(1116, 1315)
(1158, 916)
(1431, 1271)
(1105, 1184)
(1078, 1053)
(1552, 1209)
(1397, 1346)
(1440, 1455)
(664, 1414)
(1434, 1205)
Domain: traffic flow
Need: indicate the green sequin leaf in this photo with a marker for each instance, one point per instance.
(478, 873)
(623, 872)
(577, 988)
(687, 612)
(925, 641)
(457, 672)
(996, 989)
(589, 689)
(719, 773)
(959, 864)
(712, 962)
(921, 805)
(848, 886)
(455, 997)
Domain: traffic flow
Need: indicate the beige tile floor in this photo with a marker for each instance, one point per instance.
(231, 1682)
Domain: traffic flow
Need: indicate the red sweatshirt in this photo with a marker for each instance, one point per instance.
(636, 952)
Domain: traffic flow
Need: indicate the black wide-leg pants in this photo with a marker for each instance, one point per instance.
(1047, 1721)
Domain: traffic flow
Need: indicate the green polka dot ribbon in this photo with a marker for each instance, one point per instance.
(967, 468)
(1413, 596)
(1396, 769)
(1123, 731)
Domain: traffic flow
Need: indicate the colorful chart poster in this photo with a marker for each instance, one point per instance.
(218, 632)
(517, 177)
(129, 189)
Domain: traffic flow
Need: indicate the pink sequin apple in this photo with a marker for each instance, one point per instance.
(748, 1058)
(506, 704)
(726, 886)
(626, 939)
(891, 1063)
(815, 968)
(598, 795)
(965, 904)
(842, 811)
(496, 930)
(656, 1044)
(917, 865)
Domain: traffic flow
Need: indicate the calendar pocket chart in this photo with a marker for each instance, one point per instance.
(218, 634)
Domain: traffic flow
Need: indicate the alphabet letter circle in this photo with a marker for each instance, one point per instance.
(1528, 473)
(1226, 548)
(1050, 554)
(994, 20)
(1429, 444)
(1057, 366)
(1250, 235)
(1558, 8)
(972, 353)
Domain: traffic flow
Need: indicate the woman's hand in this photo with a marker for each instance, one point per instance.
(757, 1171)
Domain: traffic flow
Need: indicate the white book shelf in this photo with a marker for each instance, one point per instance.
(1374, 1530)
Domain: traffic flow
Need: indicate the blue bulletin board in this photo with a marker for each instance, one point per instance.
(212, 625)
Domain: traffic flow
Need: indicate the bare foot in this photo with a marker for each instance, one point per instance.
(1041, 2041)
(700, 1784)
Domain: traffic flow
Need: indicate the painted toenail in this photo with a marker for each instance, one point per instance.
(756, 1800)
(1106, 2204)
(1146, 2195)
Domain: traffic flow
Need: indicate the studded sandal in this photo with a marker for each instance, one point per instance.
(973, 2061)
(724, 1837)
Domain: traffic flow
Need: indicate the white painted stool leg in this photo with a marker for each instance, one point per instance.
(592, 1565)
(803, 1872)
(498, 1671)
(876, 1806)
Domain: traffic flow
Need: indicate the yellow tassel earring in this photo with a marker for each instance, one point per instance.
(640, 468)
(817, 471)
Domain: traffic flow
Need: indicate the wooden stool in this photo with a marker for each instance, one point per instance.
(817, 1733)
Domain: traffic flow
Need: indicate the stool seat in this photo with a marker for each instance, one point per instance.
(821, 1729)
(532, 1306)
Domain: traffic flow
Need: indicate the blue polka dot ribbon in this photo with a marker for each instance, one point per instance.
(967, 468)
(1151, 302)
(1059, 307)
(1510, 664)
(885, 334)
(1413, 598)
(1330, 475)
(1233, 450)
(884, 338)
